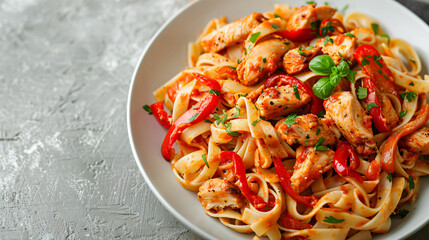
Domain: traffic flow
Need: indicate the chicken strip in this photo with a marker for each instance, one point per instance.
(417, 142)
(280, 101)
(350, 118)
(388, 110)
(309, 166)
(308, 14)
(218, 194)
(307, 130)
(262, 61)
(294, 62)
(342, 47)
(231, 34)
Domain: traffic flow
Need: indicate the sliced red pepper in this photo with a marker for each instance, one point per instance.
(284, 79)
(160, 114)
(380, 122)
(346, 151)
(389, 148)
(376, 69)
(299, 35)
(291, 223)
(194, 115)
(373, 171)
(335, 23)
(240, 173)
(284, 178)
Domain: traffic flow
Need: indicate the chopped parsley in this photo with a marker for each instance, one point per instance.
(328, 40)
(402, 114)
(309, 47)
(215, 92)
(388, 38)
(276, 15)
(326, 4)
(275, 26)
(237, 113)
(350, 35)
(261, 69)
(321, 114)
(409, 95)
(296, 141)
(264, 60)
(207, 121)
(362, 92)
(231, 133)
(301, 52)
(371, 105)
(290, 120)
(205, 160)
(193, 117)
(295, 91)
(318, 132)
(412, 60)
(331, 219)
(345, 8)
(255, 122)
(375, 28)
(410, 183)
(234, 68)
(403, 212)
(319, 147)
(254, 37)
(147, 109)
(411, 84)
(389, 177)
(243, 95)
(364, 62)
(310, 2)
(286, 43)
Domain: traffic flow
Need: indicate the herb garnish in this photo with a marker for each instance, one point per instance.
(205, 160)
(410, 183)
(318, 146)
(331, 219)
(290, 120)
(409, 95)
(402, 114)
(215, 92)
(254, 37)
(362, 92)
(147, 109)
(371, 105)
(295, 91)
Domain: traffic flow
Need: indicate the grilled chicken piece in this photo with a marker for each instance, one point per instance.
(306, 15)
(307, 130)
(231, 34)
(293, 62)
(280, 101)
(309, 166)
(218, 194)
(342, 44)
(387, 110)
(350, 118)
(417, 142)
(262, 61)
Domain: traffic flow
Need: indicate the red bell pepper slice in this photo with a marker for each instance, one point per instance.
(389, 148)
(380, 122)
(194, 115)
(291, 223)
(284, 178)
(374, 66)
(336, 24)
(373, 171)
(346, 151)
(240, 173)
(284, 79)
(160, 114)
(299, 35)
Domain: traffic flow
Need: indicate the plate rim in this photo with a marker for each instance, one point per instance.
(154, 190)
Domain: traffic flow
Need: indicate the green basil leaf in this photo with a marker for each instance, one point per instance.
(343, 68)
(323, 88)
(322, 65)
(334, 79)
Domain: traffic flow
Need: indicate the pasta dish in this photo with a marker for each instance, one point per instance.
(298, 123)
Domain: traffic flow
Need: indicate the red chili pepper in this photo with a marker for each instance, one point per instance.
(283, 79)
(345, 151)
(380, 122)
(160, 114)
(240, 173)
(299, 35)
(194, 115)
(336, 24)
(284, 178)
(291, 223)
(373, 171)
(389, 148)
(376, 69)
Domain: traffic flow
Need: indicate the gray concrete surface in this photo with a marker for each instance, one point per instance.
(66, 168)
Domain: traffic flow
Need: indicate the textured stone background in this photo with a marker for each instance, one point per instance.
(66, 169)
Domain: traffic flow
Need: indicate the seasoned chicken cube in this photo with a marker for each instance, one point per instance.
(309, 166)
(218, 194)
(417, 142)
(294, 62)
(231, 34)
(261, 61)
(306, 15)
(387, 110)
(279, 101)
(307, 130)
(342, 44)
(350, 118)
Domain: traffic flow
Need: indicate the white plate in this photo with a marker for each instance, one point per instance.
(165, 56)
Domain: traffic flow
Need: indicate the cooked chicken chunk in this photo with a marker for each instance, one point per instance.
(308, 14)
(262, 61)
(387, 110)
(309, 166)
(342, 44)
(280, 101)
(417, 142)
(231, 34)
(350, 118)
(294, 62)
(307, 130)
(218, 194)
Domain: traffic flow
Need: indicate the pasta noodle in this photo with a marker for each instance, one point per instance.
(298, 123)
